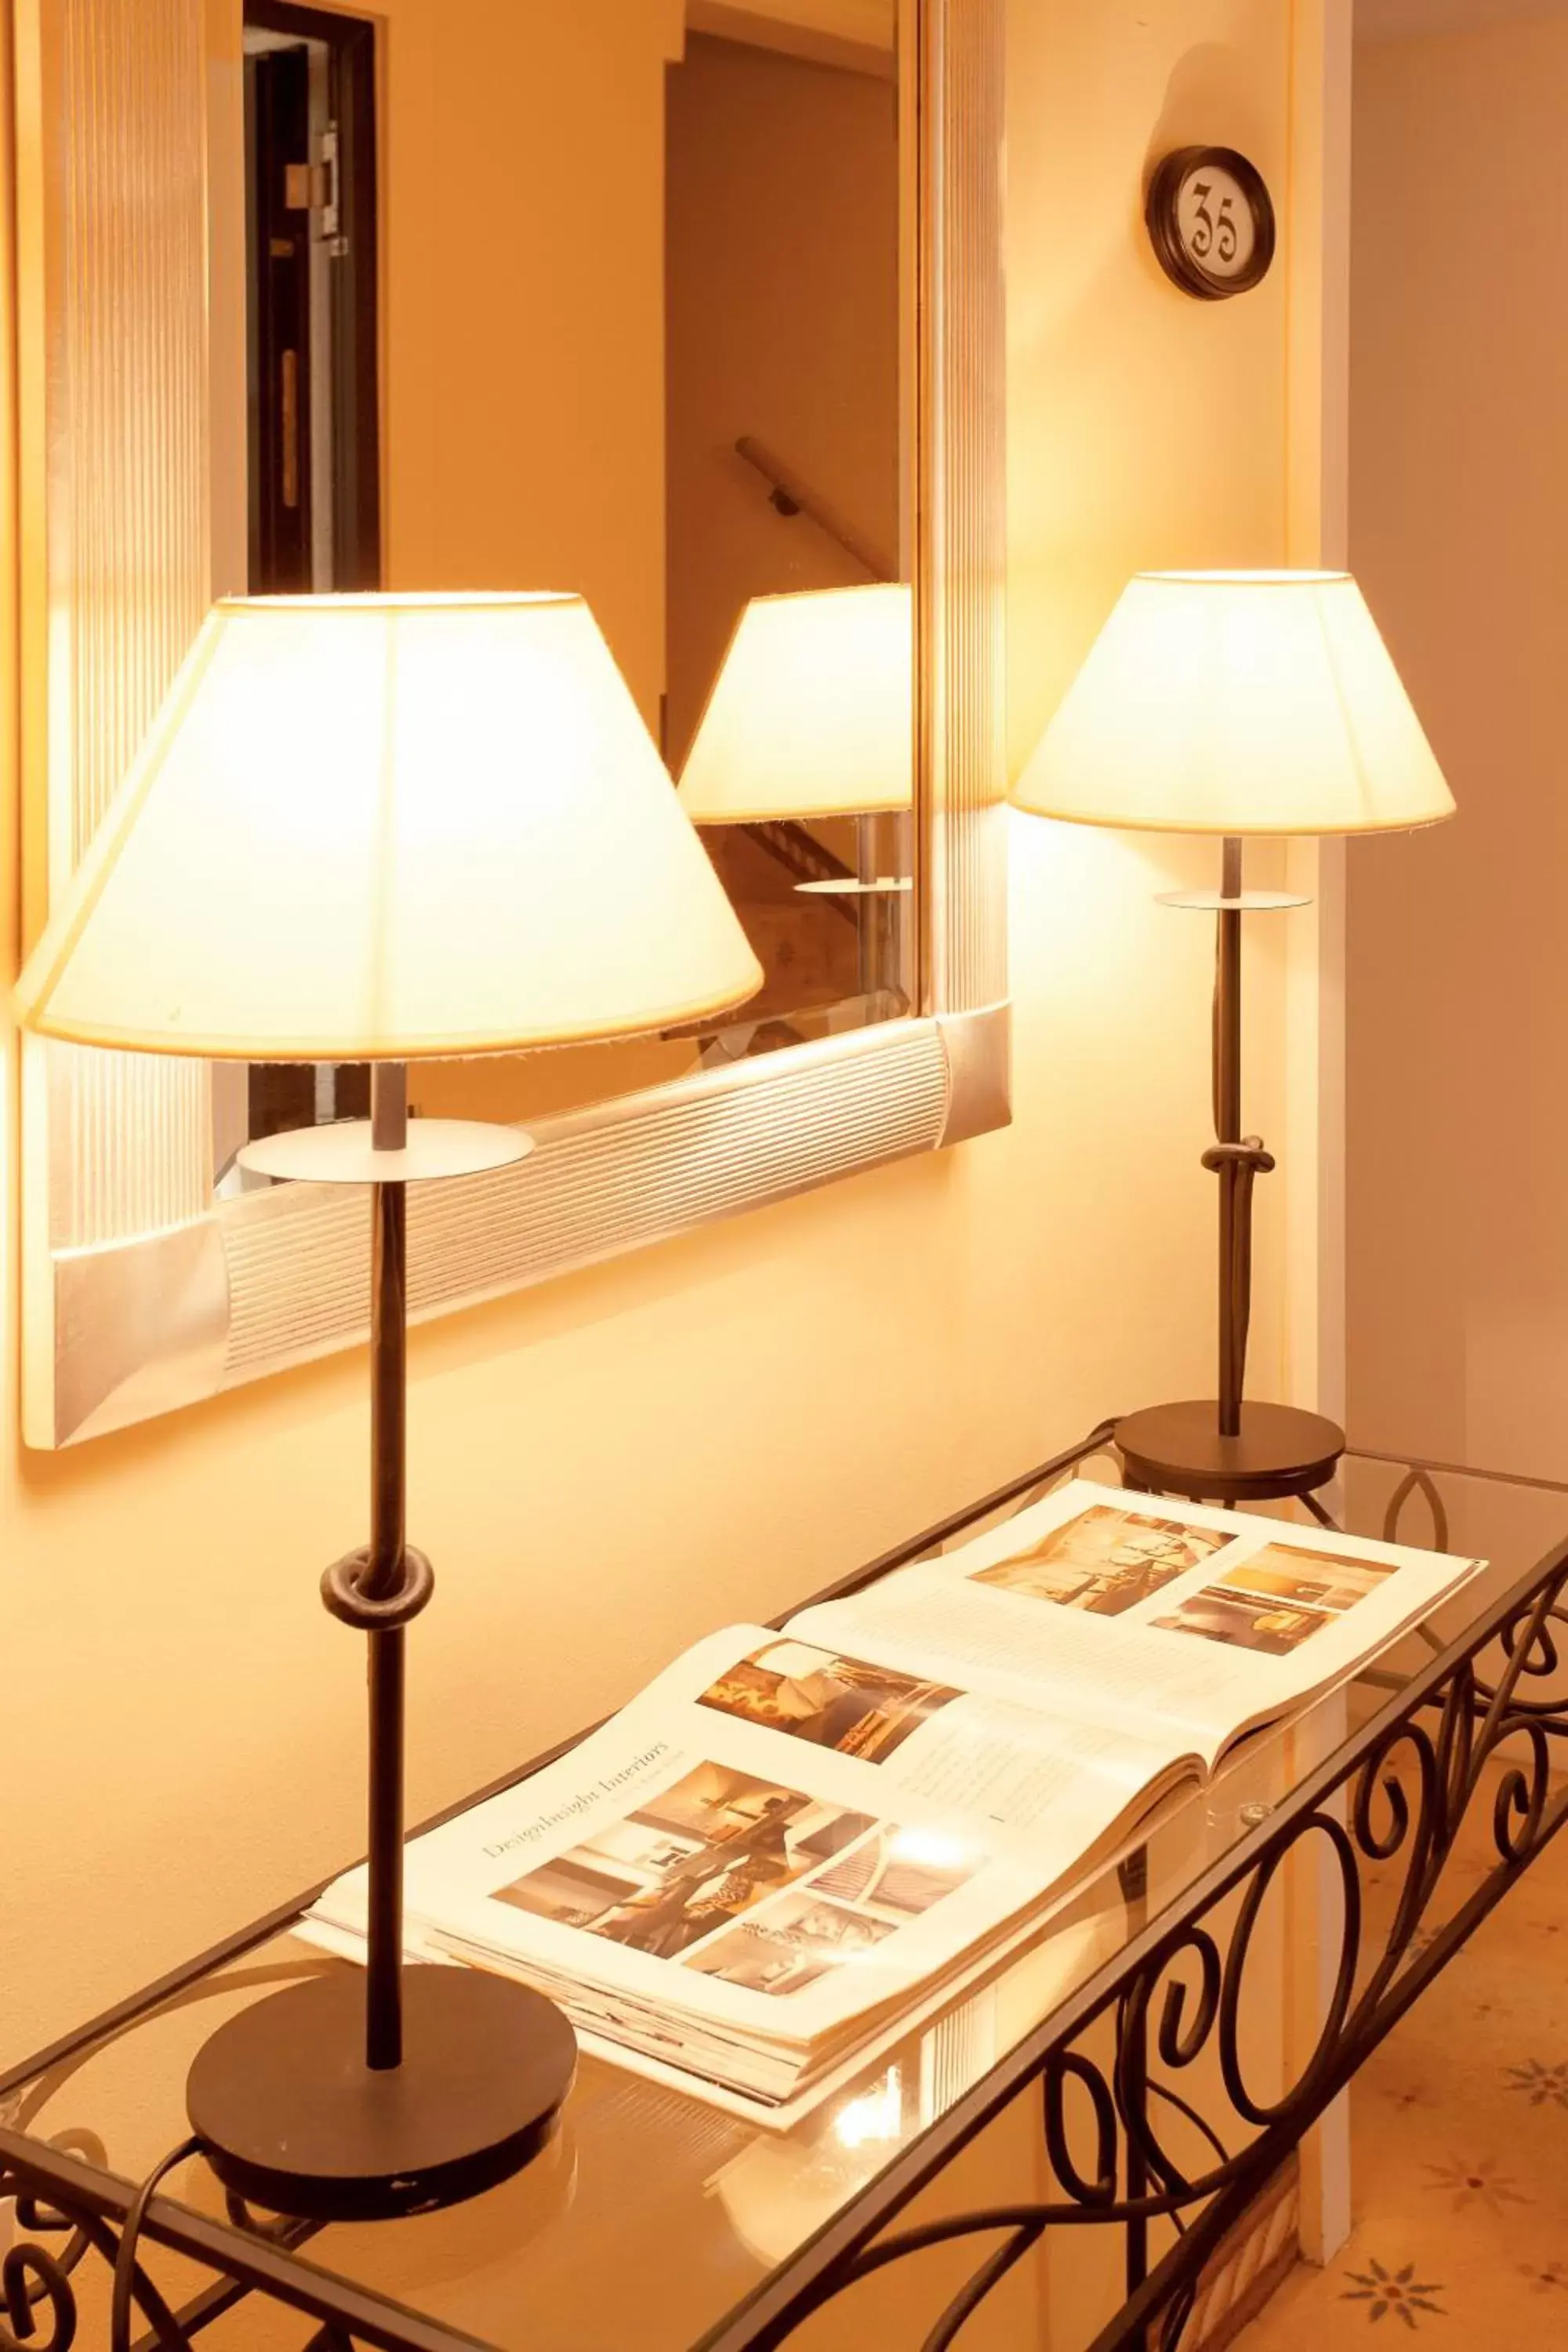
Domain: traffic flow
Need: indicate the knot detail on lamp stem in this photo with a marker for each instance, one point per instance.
(1237, 1166)
(1248, 1154)
(344, 1595)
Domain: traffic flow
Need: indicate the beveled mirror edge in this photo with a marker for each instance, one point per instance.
(138, 1296)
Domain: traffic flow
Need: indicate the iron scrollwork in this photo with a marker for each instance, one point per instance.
(38, 2293)
(1125, 2146)
(38, 2306)
(37, 2283)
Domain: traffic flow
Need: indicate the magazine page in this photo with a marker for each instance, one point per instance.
(782, 2109)
(674, 1857)
(1188, 1623)
(788, 1837)
(1005, 1758)
(772, 1840)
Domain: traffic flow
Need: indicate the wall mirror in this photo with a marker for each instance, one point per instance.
(692, 306)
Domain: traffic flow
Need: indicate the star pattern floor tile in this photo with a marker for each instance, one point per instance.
(1459, 2133)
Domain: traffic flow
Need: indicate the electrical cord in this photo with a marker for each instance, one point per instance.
(122, 2307)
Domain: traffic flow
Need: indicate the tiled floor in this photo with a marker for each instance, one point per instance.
(1459, 2126)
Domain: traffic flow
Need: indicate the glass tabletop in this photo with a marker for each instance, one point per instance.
(651, 2216)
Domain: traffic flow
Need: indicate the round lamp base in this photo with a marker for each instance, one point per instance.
(1177, 1449)
(290, 2118)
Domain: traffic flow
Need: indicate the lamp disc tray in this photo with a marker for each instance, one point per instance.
(343, 1152)
(1246, 902)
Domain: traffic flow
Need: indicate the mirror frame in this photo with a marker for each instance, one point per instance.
(139, 1292)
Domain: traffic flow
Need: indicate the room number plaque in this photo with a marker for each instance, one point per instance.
(1211, 219)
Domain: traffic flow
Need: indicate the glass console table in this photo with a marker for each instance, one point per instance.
(1070, 2154)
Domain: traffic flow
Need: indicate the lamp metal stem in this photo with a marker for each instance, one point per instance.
(339, 2101)
(388, 1348)
(1223, 1449)
(867, 911)
(1227, 1131)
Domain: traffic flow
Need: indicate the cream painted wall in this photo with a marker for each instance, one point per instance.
(609, 1465)
(1458, 1243)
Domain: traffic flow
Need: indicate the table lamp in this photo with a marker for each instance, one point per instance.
(374, 828)
(1235, 703)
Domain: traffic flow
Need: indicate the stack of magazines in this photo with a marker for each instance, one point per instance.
(794, 1846)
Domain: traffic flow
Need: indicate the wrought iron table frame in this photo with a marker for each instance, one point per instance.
(1171, 1998)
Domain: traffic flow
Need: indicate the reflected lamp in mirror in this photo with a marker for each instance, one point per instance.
(812, 713)
(810, 725)
(1234, 703)
(373, 828)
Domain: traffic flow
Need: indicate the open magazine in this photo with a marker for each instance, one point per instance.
(791, 1841)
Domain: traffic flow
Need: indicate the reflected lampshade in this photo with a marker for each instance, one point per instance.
(812, 714)
(381, 827)
(1238, 702)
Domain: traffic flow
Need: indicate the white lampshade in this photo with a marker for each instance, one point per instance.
(379, 827)
(813, 713)
(1238, 702)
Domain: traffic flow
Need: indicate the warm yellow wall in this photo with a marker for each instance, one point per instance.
(520, 171)
(524, 330)
(1458, 1245)
(612, 1464)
